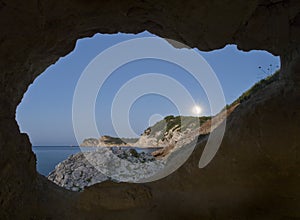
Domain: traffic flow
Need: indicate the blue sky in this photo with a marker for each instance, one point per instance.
(45, 112)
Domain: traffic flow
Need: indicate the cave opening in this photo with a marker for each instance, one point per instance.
(45, 112)
(255, 173)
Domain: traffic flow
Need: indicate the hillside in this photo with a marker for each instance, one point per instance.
(170, 130)
(107, 141)
(179, 130)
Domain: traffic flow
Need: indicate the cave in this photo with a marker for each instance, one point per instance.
(255, 174)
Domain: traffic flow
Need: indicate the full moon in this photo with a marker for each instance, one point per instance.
(196, 110)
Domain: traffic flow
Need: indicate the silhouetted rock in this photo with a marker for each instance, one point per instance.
(254, 175)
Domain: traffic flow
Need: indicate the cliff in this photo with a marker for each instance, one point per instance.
(170, 130)
(176, 131)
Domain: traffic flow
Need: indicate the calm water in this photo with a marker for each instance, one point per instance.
(49, 157)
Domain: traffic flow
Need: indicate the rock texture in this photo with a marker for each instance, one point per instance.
(255, 174)
(179, 130)
(119, 165)
(125, 164)
(175, 131)
(89, 142)
(75, 173)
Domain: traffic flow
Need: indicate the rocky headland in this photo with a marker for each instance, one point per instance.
(108, 141)
(116, 159)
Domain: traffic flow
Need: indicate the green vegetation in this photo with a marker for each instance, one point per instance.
(257, 86)
(161, 129)
(112, 140)
(173, 122)
(109, 141)
(118, 141)
(90, 142)
(134, 153)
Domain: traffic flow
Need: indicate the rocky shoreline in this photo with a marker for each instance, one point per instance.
(120, 165)
(115, 158)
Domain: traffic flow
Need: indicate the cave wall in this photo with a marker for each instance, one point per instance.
(255, 173)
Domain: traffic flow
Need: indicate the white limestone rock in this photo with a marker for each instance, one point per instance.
(87, 168)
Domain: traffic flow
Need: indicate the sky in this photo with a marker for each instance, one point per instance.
(139, 92)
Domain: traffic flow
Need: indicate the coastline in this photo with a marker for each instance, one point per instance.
(121, 146)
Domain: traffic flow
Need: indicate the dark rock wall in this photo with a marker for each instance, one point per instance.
(255, 175)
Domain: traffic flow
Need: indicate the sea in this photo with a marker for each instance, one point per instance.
(49, 156)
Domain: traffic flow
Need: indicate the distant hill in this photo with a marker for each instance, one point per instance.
(172, 129)
(107, 141)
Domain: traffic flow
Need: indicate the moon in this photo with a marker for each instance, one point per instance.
(197, 110)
